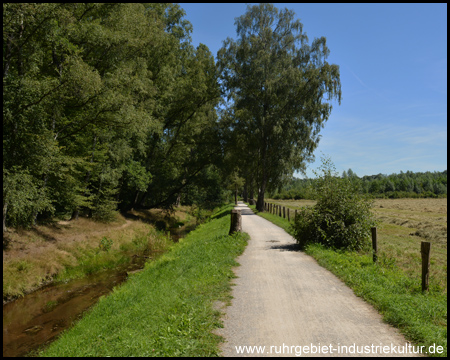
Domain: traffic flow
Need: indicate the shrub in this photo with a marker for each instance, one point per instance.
(341, 218)
(105, 244)
(105, 211)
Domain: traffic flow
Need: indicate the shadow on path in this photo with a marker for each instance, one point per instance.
(245, 210)
(285, 247)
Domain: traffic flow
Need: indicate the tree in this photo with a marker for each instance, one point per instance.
(187, 142)
(103, 104)
(276, 85)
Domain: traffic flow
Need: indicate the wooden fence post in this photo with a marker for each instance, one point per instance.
(425, 251)
(374, 243)
(236, 222)
(284, 212)
(289, 218)
(279, 212)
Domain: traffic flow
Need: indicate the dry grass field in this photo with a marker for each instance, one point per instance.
(34, 257)
(403, 224)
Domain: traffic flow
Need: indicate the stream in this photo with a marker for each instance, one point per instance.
(39, 317)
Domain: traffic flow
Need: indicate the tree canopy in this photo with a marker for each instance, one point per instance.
(110, 106)
(103, 105)
(278, 89)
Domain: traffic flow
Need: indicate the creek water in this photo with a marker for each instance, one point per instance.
(39, 317)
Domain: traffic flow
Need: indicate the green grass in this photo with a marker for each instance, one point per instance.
(166, 309)
(275, 219)
(97, 259)
(421, 317)
(62, 252)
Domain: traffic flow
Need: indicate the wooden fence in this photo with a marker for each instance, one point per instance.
(424, 246)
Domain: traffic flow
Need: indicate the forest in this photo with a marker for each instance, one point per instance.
(105, 106)
(403, 185)
(110, 107)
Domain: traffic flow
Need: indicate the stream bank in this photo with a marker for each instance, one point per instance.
(34, 320)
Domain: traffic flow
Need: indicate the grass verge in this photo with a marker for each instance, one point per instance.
(60, 252)
(422, 318)
(166, 309)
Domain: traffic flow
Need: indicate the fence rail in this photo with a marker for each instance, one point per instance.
(424, 246)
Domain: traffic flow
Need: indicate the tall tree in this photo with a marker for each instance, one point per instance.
(102, 104)
(279, 88)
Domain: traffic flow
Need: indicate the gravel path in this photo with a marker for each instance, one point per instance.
(284, 299)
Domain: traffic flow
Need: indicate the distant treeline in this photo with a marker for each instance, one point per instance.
(409, 184)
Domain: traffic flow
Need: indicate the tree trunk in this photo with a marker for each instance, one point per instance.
(261, 191)
(250, 194)
(245, 193)
(143, 199)
(7, 56)
(75, 214)
(260, 201)
(5, 208)
(235, 197)
(236, 222)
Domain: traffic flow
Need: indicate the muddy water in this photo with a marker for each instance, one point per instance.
(39, 317)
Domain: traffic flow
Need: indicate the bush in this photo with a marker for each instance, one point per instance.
(105, 211)
(341, 218)
(105, 244)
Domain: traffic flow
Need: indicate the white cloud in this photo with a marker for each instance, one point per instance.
(371, 147)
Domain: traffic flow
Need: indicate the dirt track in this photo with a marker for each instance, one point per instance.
(283, 297)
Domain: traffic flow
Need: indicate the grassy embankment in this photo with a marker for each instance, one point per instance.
(168, 308)
(65, 250)
(393, 285)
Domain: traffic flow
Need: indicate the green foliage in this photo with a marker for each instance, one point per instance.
(103, 105)
(207, 192)
(341, 218)
(105, 244)
(394, 186)
(23, 197)
(278, 89)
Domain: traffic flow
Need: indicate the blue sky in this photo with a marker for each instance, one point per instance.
(393, 68)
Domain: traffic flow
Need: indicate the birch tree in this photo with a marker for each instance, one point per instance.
(280, 90)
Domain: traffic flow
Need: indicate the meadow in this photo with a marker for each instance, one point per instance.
(403, 224)
(393, 284)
